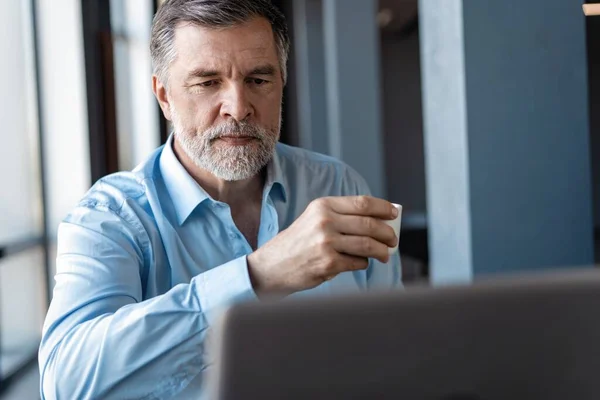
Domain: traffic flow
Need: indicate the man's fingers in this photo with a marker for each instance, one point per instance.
(361, 205)
(352, 263)
(366, 226)
(361, 246)
(346, 263)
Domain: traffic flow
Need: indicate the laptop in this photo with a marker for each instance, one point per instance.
(526, 337)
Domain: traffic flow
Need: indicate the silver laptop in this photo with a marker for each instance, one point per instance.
(534, 337)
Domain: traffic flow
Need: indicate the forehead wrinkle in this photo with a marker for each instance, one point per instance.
(228, 62)
(208, 51)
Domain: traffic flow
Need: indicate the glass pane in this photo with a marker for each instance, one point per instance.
(20, 203)
(22, 307)
(137, 110)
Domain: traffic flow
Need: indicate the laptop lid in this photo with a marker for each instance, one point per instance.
(535, 337)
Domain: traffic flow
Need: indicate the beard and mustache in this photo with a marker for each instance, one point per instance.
(228, 162)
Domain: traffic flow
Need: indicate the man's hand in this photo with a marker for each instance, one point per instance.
(333, 235)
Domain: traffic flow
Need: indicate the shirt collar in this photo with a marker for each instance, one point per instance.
(186, 194)
(184, 191)
(275, 175)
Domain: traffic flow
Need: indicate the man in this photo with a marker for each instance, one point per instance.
(220, 214)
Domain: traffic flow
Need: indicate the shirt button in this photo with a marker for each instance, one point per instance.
(233, 235)
(271, 228)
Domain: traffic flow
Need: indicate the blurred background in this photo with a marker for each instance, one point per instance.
(482, 118)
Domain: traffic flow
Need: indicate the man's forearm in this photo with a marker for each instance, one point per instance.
(147, 349)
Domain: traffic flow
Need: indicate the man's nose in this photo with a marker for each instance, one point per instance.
(236, 104)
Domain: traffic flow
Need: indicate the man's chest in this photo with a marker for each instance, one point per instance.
(247, 221)
(212, 237)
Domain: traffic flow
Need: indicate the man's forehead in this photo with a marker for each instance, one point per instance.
(249, 39)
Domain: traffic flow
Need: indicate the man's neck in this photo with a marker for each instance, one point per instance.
(234, 193)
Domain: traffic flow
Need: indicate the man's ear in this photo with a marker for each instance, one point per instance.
(160, 91)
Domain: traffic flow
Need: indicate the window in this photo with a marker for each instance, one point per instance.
(23, 265)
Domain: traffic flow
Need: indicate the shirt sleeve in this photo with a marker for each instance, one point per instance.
(102, 340)
(379, 276)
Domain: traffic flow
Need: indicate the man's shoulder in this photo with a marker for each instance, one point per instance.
(307, 159)
(298, 161)
(113, 191)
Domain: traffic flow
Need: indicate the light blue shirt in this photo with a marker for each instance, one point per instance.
(148, 260)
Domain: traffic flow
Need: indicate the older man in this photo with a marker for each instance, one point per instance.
(222, 213)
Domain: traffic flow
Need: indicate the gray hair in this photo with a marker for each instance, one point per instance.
(214, 14)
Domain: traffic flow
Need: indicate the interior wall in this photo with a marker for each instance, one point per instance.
(403, 120)
(593, 43)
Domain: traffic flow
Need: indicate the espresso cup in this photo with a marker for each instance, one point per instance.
(395, 224)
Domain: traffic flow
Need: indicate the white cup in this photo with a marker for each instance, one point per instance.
(395, 224)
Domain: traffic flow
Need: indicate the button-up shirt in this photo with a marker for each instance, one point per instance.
(148, 260)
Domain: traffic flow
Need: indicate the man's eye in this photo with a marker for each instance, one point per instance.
(208, 83)
(258, 81)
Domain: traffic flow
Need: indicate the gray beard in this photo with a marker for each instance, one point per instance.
(228, 162)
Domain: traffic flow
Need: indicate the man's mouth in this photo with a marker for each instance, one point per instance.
(236, 140)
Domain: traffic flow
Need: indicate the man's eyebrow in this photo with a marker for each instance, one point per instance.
(266, 69)
(202, 73)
